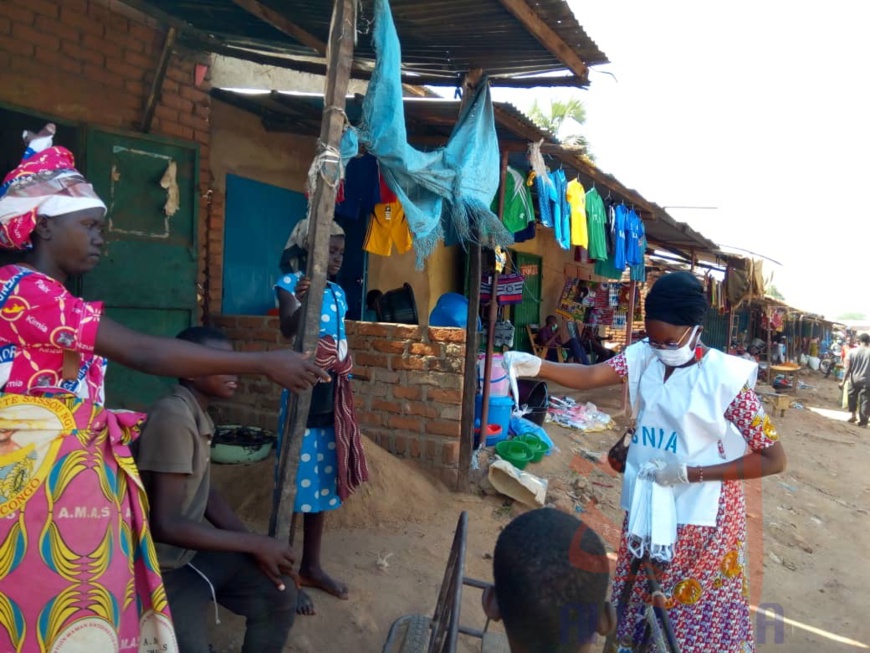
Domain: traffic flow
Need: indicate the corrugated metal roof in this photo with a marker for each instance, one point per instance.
(443, 38)
(431, 121)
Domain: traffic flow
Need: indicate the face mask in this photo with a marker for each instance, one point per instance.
(678, 357)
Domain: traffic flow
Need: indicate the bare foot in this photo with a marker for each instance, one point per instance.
(320, 580)
(304, 604)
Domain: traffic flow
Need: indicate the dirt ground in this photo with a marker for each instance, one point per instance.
(808, 533)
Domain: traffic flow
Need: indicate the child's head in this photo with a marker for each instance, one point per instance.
(219, 386)
(552, 321)
(550, 583)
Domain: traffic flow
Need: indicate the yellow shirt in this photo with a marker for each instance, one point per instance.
(577, 200)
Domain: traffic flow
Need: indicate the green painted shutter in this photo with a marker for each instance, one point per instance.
(529, 310)
(147, 278)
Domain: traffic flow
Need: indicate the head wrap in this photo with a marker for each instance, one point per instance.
(677, 298)
(47, 183)
(296, 249)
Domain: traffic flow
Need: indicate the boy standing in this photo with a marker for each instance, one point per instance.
(219, 561)
(550, 575)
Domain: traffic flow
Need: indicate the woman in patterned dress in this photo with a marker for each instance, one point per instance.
(332, 462)
(701, 425)
(78, 569)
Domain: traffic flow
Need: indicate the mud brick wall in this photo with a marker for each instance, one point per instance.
(407, 386)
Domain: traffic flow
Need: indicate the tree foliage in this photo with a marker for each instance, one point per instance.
(557, 118)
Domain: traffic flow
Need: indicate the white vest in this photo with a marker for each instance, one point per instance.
(683, 420)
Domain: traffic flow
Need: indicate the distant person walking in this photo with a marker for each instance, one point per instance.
(857, 373)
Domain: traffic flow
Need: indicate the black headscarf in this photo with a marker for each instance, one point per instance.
(677, 298)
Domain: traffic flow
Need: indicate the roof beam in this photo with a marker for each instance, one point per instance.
(282, 24)
(548, 38)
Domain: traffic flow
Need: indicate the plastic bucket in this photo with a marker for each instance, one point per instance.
(499, 384)
(516, 453)
(536, 396)
(398, 306)
(493, 432)
(537, 446)
(500, 411)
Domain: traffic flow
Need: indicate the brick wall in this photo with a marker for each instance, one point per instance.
(93, 61)
(407, 386)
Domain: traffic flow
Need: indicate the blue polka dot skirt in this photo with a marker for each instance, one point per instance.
(316, 486)
(316, 477)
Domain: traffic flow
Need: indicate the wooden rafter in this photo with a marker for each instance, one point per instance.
(547, 37)
(282, 24)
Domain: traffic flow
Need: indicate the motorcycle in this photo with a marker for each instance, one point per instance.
(830, 360)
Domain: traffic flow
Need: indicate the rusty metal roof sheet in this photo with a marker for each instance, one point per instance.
(441, 39)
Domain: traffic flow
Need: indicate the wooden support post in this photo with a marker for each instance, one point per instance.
(469, 389)
(157, 83)
(629, 330)
(493, 316)
(339, 56)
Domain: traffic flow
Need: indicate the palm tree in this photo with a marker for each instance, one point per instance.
(556, 119)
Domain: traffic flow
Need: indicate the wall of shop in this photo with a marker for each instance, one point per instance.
(443, 273)
(407, 386)
(93, 61)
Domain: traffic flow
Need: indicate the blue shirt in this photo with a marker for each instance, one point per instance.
(332, 311)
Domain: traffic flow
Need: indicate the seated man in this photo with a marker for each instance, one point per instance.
(219, 561)
(592, 342)
(549, 337)
(550, 575)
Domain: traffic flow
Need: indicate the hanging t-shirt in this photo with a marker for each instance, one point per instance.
(388, 226)
(596, 217)
(607, 268)
(620, 222)
(632, 238)
(519, 208)
(576, 197)
(361, 188)
(387, 194)
(545, 190)
(638, 272)
(561, 209)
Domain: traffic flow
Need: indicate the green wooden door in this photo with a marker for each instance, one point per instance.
(147, 278)
(529, 310)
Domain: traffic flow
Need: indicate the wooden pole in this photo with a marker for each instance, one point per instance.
(339, 57)
(469, 389)
(629, 331)
(493, 317)
(157, 82)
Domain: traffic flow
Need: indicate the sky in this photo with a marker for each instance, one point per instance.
(757, 108)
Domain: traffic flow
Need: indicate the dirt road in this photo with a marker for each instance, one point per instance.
(808, 534)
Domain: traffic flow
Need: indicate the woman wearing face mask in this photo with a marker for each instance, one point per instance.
(701, 429)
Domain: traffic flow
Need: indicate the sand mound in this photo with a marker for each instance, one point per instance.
(398, 491)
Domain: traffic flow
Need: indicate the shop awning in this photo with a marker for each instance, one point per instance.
(441, 41)
(430, 122)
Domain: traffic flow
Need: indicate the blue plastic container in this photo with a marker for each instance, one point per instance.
(500, 411)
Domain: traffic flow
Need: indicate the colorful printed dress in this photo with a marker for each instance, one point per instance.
(331, 462)
(706, 585)
(78, 571)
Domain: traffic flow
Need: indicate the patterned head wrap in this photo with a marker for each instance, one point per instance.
(296, 249)
(47, 183)
(677, 298)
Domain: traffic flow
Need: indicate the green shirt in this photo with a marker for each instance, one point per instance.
(597, 218)
(518, 205)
